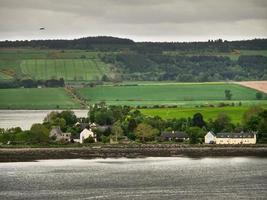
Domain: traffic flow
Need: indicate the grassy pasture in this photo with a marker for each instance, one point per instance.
(179, 94)
(34, 98)
(69, 69)
(235, 113)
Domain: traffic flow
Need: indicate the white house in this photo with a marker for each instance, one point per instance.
(210, 138)
(86, 133)
(230, 138)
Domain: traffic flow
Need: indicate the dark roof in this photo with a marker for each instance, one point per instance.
(235, 135)
(84, 125)
(174, 135)
(212, 133)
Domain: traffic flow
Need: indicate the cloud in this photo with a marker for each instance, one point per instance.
(139, 19)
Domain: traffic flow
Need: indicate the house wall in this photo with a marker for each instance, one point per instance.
(86, 134)
(209, 138)
(236, 140)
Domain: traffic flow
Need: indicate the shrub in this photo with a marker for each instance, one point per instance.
(89, 140)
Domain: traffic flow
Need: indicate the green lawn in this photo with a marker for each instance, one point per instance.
(179, 94)
(235, 113)
(35, 98)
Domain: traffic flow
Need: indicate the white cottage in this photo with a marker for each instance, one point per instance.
(86, 133)
(210, 138)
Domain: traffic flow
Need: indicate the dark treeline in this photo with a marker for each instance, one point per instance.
(101, 43)
(209, 46)
(30, 83)
(105, 43)
(159, 67)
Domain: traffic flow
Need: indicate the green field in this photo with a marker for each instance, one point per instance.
(35, 98)
(69, 69)
(187, 94)
(184, 95)
(235, 113)
(72, 65)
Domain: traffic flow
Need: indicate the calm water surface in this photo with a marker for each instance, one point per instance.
(149, 178)
(25, 118)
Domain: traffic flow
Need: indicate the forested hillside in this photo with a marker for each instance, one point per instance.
(116, 59)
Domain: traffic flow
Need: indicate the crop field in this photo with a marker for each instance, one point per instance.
(69, 69)
(190, 94)
(35, 98)
(235, 113)
(71, 65)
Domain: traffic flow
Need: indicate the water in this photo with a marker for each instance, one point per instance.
(148, 178)
(25, 118)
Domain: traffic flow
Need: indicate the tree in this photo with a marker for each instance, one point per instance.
(196, 135)
(69, 117)
(145, 132)
(252, 112)
(90, 139)
(104, 117)
(259, 95)
(262, 127)
(117, 130)
(222, 123)
(131, 125)
(228, 94)
(198, 120)
(105, 78)
(38, 134)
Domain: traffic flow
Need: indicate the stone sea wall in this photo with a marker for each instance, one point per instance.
(129, 151)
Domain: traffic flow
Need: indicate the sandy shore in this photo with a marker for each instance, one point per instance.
(133, 151)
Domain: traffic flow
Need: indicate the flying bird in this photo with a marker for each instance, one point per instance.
(42, 28)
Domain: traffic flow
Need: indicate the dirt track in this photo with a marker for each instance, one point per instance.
(257, 85)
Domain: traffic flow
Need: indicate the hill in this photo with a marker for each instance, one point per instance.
(117, 59)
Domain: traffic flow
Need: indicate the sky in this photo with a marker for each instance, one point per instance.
(140, 20)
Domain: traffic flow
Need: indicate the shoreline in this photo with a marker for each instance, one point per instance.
(129, 151)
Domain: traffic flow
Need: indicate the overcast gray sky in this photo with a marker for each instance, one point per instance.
(140, 20)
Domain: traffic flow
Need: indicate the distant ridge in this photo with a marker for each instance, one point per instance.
(109, 43)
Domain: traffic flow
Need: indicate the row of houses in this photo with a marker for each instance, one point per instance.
(210, 137)
(230, 138)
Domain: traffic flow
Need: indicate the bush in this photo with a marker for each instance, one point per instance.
(89, 140)
(104, 139)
